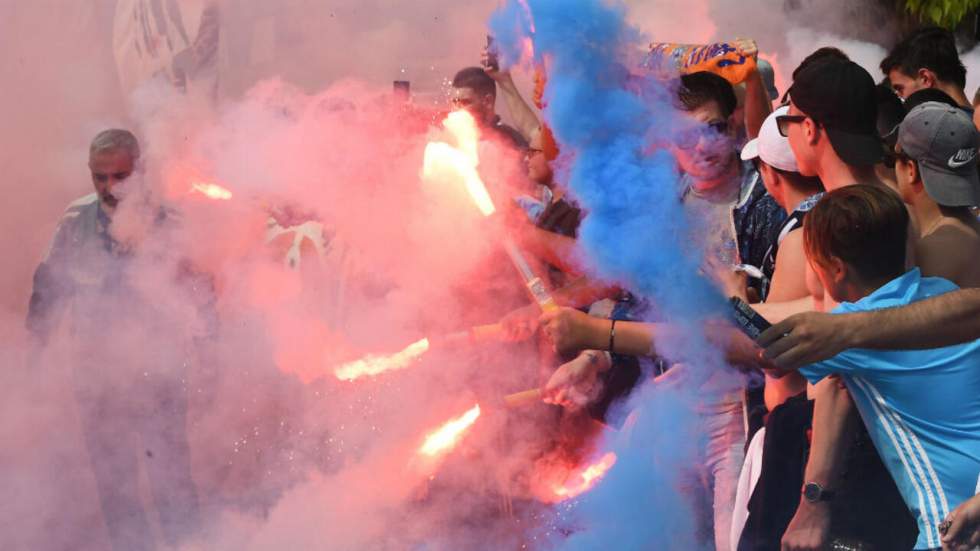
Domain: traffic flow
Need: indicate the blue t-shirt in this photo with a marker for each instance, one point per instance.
(921, 408)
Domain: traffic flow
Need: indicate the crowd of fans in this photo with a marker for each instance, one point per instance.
(844, 214)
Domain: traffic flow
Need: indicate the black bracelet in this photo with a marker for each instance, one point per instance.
(612, 336)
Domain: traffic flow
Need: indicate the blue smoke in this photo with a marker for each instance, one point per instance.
(606, 120)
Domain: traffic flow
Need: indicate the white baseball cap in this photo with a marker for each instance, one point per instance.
(771, 146)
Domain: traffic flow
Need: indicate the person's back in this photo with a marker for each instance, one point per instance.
(951, 251)
(920, 406)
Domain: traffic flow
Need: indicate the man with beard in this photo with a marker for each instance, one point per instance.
(130, 317)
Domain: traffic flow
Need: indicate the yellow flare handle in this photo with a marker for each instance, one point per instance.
(523, 398)
(490, 332)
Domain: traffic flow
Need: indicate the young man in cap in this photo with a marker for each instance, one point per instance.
(785, 259)
(832, 123)
(937, 177)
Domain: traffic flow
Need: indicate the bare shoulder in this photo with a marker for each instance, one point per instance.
(952, 251)
(961, 236)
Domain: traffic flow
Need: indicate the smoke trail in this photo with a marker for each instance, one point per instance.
(606, 119)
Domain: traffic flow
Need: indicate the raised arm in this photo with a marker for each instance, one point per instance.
(757, 102)
(524, 118)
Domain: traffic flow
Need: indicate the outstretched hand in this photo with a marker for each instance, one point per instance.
(491, 66)
(571, 330)
(805, 338)
(574, 384)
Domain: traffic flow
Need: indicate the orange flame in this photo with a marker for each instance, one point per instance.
(446, 437)
(373, 365)
(442, 160)
(583, 481)
(211, 191)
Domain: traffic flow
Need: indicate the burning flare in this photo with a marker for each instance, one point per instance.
(211, 191)
(447, 436)
(583, 481)
(442, 160)
(373, 365)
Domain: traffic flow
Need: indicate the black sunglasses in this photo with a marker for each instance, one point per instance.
(783, 122)
(689, 138)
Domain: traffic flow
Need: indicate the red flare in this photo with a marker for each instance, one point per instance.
(582, 481)
(446, 437)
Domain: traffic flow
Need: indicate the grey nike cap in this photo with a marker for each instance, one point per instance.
(944, 141)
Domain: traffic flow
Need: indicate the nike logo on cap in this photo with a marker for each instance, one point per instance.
(963, 157)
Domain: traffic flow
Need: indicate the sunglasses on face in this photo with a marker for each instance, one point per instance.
(783, 122)
(463, 102)
(689, 138)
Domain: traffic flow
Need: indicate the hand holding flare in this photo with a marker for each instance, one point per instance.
(462, 161)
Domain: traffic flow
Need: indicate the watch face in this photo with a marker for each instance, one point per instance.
(811, 492)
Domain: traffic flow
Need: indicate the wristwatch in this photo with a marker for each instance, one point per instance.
(815, 493)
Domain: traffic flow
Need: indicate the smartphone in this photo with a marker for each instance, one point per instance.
(492, 63)
(747, 319)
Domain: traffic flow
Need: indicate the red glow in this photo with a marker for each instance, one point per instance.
(583, 480)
